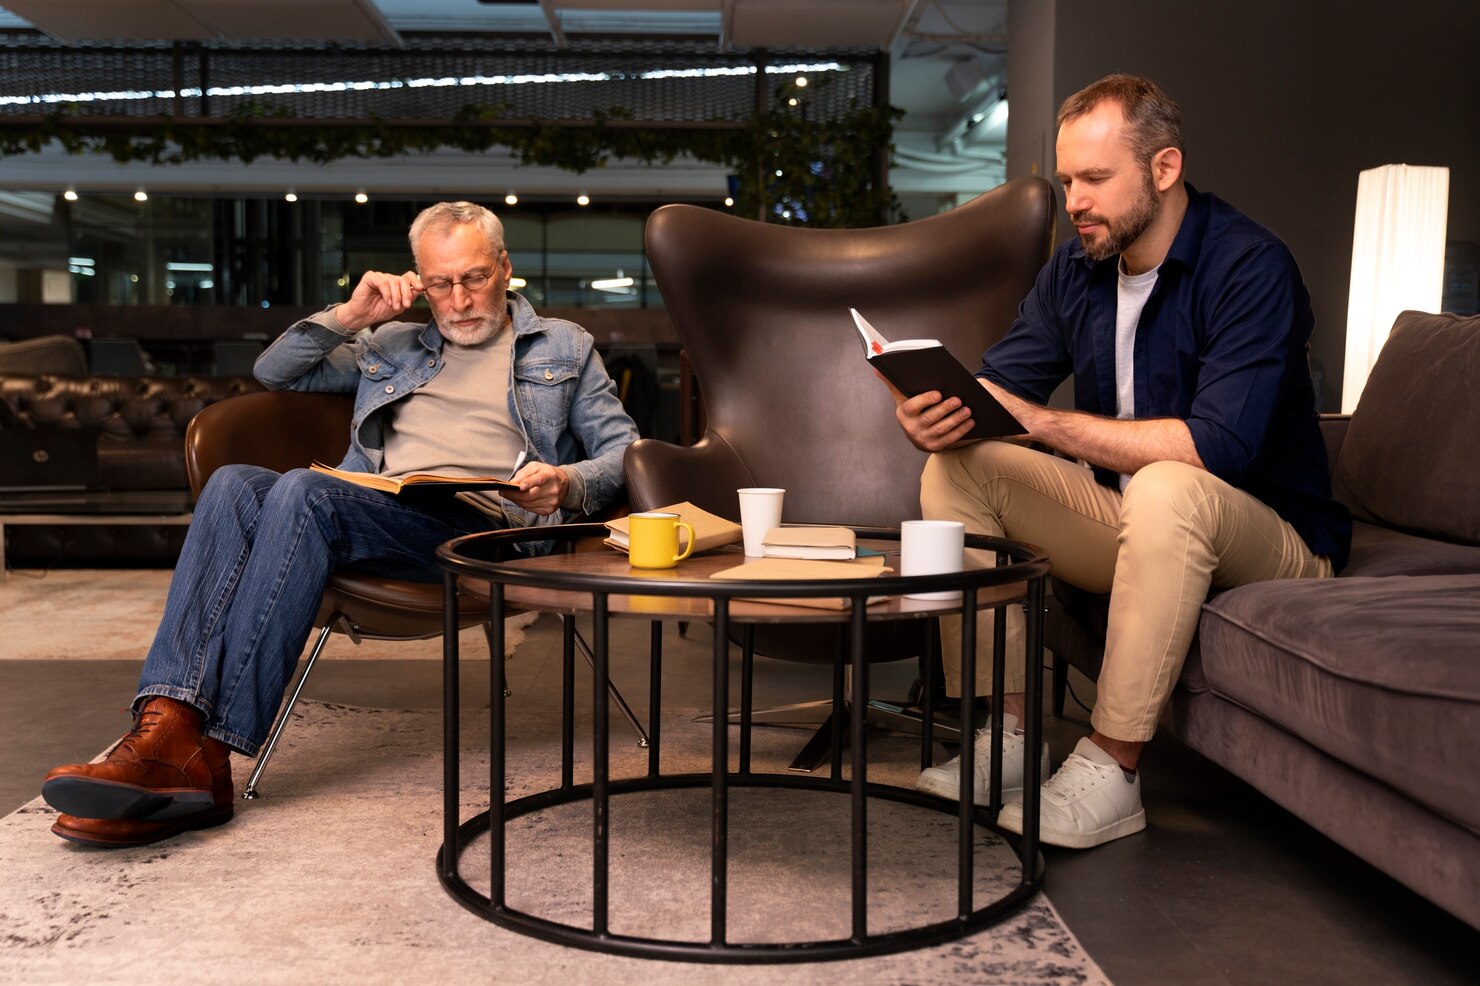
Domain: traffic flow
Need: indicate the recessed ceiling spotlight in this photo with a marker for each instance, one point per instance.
(361, 198)
(70, 195)
(291, 197)
(729, 202)
(141, 196)
(801, 82)
(583, 199)
(792, 101)
(511, 199)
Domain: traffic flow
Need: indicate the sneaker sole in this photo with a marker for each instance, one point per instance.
(88, 797)
(190, 823)
(952, 792)
(1129, 825)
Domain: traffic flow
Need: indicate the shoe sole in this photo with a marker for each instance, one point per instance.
(190, 823)
(1129, 825)
(88, 797)
(952, 792)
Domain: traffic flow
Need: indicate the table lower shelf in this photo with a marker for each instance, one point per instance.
(657, 891)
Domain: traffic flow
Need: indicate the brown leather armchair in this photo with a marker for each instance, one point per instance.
(284, 430)
(789, 400)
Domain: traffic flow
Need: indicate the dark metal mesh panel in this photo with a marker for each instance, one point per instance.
(432, 79)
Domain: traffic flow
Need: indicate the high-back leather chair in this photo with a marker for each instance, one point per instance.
(284, 430)
(789, 399)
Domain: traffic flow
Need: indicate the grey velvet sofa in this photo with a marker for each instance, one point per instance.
(1355, 702)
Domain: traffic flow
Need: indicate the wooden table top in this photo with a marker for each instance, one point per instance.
(608, 563)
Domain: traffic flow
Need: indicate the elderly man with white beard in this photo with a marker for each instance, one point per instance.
(484, 386)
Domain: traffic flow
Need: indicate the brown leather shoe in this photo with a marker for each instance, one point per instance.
(123, 833)
(163, 768)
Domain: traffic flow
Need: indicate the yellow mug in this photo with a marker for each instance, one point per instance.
(652, 540)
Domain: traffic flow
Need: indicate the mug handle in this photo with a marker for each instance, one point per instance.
(690, 549)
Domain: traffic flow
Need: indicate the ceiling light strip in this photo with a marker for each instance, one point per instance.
(307, 88)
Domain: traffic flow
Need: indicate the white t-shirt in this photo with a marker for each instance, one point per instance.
(1130, 298)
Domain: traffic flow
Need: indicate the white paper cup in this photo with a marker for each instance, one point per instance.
(931, 547)
(760, 510)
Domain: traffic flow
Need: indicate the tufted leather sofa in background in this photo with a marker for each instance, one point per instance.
(140, 427)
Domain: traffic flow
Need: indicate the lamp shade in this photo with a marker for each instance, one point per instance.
(1397, 261)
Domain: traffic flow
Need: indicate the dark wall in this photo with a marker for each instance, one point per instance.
(1284, 102)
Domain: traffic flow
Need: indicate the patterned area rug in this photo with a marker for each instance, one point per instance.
(330, 876)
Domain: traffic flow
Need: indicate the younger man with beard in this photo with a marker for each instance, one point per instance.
(483, 384)
(1185, 325)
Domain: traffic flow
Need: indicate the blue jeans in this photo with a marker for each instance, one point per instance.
(259, 552)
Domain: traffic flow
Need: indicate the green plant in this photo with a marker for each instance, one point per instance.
(826, 168)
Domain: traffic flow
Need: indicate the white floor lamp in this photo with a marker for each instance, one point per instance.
(1397, 261)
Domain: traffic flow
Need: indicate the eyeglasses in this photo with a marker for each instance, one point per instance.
(473, 281)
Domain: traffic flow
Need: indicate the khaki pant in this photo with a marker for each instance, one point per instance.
(1176, 532)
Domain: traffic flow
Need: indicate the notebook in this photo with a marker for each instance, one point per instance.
(38, 460)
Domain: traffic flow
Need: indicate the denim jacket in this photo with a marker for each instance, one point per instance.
(559, 393)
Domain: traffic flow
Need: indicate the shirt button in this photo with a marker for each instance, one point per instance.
(431, 362)
(549, 375)
(375, 368)
(389, 389)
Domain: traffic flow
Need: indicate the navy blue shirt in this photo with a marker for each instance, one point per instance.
(1221, 344)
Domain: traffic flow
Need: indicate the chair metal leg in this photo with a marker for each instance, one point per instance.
(488, 635)
(1060, 685)
(265, 754)
(626, 710)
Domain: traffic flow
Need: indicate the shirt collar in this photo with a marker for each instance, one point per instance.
(1189, 239)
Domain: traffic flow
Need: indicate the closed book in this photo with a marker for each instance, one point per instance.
(823, 543)
(710, 530)
(914, 366)
(421, 481)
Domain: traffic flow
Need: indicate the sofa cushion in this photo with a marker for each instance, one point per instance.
(1381, 673)
(1378, 550)
(1409, 456)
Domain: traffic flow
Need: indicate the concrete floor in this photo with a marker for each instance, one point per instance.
(1224, 887)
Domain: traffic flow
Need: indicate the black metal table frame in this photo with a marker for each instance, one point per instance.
(1017, 563)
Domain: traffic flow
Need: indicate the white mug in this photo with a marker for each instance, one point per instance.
(760, 510)
(931, 547)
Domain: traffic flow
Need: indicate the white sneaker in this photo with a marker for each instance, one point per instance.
(1086, 803)
(945, 780)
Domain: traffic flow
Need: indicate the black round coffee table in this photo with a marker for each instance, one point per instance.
(600, 584)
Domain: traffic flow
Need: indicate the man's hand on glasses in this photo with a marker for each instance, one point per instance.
(378, 297)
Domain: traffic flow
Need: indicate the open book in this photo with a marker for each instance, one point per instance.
(710, 530)
(917, 365)
(416, 481)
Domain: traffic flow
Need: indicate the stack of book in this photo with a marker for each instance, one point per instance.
(821, 543)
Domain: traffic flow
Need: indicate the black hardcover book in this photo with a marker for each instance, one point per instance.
(917, 365)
